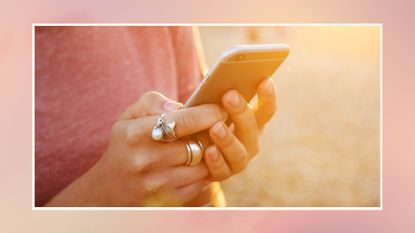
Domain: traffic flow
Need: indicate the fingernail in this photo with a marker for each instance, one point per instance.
(219, 130)
(269, 86)
(170, 105)
(213, 154)
(233, 99)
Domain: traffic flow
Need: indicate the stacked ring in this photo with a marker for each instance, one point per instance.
(194, 152)
(165, 132)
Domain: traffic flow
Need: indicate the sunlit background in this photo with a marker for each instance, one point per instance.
(323, 146)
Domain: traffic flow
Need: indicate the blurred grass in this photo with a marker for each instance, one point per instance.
(322, 147)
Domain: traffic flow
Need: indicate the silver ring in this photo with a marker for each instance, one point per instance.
(194, 152)
(189, 153)
(164, 131)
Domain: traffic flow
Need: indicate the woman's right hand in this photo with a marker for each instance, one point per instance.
(135, 170)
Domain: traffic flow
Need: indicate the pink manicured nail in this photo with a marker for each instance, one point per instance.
(219, 130)
(233, 99)
(171, 105)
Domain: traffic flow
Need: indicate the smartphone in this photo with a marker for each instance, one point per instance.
(240, 68)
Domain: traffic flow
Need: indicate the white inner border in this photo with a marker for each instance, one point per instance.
(209, 208)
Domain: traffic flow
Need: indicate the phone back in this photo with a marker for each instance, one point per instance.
(241, 69)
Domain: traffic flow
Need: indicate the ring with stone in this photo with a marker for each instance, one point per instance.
(164, 131)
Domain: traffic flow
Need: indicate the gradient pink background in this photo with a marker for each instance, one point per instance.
(16, 121)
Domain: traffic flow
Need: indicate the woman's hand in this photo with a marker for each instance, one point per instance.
(236, 145)
(135, 170)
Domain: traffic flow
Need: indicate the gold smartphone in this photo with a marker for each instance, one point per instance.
(240, 68)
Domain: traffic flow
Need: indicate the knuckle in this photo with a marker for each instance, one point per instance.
(187, 121)
(149, 95)
(215, 112)
(217, 166)
(228, 141)
(140, 163)
(148, 101)
(134, 135)
(218, 113)
(242, 108)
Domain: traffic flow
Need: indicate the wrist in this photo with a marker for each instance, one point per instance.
(81, 192)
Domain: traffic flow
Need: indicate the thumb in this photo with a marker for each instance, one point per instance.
(151, 103)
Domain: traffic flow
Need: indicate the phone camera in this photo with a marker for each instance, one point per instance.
(240, 57)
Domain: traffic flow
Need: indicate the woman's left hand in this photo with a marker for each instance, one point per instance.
(235, 146)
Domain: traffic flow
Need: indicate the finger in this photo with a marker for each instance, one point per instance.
(150, 103)
(176, 153)
(185, 175)
(195, 119)
(267, 102)
(173, 154)
(189, 192)
(244, 119)
(188, 121)
(232, 149)
(174, 177)
(175, 196)
(216, 164)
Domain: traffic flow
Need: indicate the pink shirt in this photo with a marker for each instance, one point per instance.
(86, 77)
